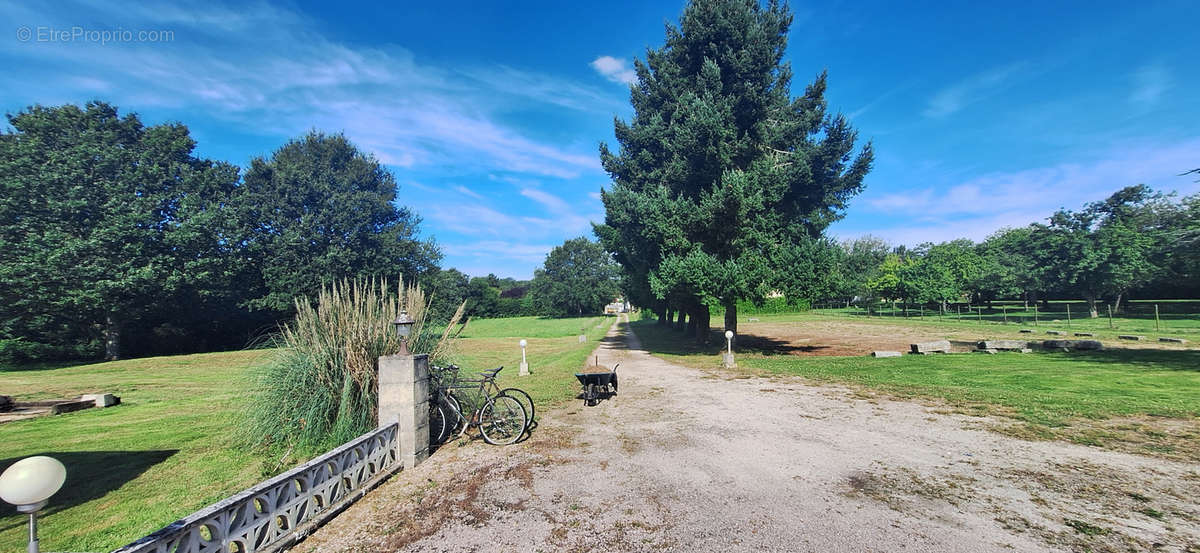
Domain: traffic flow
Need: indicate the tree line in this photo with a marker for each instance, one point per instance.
(1135, 242)
(117, 240)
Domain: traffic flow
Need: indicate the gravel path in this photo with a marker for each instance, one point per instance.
(684, 460)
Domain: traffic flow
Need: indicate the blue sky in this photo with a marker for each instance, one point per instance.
(490, 113)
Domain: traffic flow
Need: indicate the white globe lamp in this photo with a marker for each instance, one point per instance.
(28, 484)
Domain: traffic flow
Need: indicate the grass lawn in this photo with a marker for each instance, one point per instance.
(554, 352)
(1176, 318)
(1142, 400)
(166, 450)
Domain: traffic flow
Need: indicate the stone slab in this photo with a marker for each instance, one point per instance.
(885, 354)
(989, 351)
(937, 346)
(1026, 331)
(101, 400)
(1003, 344)
(1072, 344)
(1055, 332)
(1026, 350)
(1173, 340)
(1130, 337)
(1084, 334)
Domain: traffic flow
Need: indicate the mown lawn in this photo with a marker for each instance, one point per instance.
(168, 450)
(1143, 400)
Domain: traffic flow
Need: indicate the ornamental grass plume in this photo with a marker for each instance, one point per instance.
(320, 389)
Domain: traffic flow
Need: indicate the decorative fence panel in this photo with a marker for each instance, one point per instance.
(278, 511)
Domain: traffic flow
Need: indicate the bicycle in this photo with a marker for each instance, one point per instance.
(501, 418)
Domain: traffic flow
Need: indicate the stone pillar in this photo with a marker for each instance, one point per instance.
(404, 398)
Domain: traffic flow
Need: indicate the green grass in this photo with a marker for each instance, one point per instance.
(168, 449)
(1146, 400)
(131, 469)
(554, 352)
(1178, 318)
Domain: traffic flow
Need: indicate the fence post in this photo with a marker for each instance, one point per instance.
(1156, 328)
(1004, 308)
(1035, 317)
(979, 314)
(1109, 306)
(1068, 315)
(404, 398)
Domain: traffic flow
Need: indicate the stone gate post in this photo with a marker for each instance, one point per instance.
(404, 398)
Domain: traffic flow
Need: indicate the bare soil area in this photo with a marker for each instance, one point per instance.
(687, 461)
(834, 337)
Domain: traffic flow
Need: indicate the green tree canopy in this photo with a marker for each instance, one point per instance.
(320, 211)
(724, 183)
(578, 278)
(101, 218)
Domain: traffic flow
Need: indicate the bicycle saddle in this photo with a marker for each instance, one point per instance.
(491, 373)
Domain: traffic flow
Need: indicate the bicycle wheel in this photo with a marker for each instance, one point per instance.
(437, 424)
(502, 420)
(526, 402)
(454, 416)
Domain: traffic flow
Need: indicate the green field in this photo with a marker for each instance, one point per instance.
(1176, 318)
(166, 451)
(1142, 400)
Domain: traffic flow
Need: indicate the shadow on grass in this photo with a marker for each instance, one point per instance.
(664, 339)
(90, 475)
(1169, 359)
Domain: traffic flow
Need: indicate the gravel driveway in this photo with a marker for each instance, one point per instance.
(684, 460)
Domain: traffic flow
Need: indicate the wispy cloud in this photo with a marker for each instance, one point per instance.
(468, 192)
(978, 206)
(1149, 84)
(970, 90)
(271, 71)
(616, 70)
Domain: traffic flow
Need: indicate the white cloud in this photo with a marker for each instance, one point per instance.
(970, 90)
(468, 192)
(616, 70)
(978, 206)
(1150, 82)
(270, 71)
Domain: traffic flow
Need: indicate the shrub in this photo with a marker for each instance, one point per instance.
(320, 390)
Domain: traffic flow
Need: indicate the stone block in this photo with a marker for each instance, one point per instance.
(728, 361)
(1026, 331)
(1072, 344)
(404, 398)
(101, 400)
(6, 404)
(1173, 340)
(989, 351)
(1130, 337)
(938, 346)
(1026, 350)
(885, 354)
(1055, 332)
(1084, 334)
(1003, 344)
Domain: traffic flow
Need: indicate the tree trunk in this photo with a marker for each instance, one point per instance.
(664, 317)
(1117, 304)
(731, 319)
(680, 319)
(703, 324)
(1092, 307)
(692, 325)
(112, 338)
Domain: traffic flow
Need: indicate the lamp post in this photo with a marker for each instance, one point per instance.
(403, 324)
(524, 365)
(28, 484)
(727, 357)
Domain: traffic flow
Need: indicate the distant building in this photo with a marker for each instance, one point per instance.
(619, 305)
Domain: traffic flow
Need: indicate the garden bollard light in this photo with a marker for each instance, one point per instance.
(28, 484)
(524, 364)
(727, 358)
(403, 324)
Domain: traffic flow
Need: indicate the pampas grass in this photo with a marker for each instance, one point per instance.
(320, 390)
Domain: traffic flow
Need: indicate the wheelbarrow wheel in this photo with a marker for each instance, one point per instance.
(502, 420)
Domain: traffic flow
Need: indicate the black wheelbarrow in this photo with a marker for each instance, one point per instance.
(598, 383)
